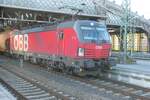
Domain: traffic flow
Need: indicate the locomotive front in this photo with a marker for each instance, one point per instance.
(94, 46)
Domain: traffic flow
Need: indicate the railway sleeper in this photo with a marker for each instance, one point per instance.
(146, 94)
(24, 86)
(23, 83)
(30, 90)
(117, 96)
(138, 92)
(34, 93)
(126, 98)
(121, 87)
(39, 96)
(23, 89)
(47, 98)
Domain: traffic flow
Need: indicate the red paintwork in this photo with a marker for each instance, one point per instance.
(48, 43)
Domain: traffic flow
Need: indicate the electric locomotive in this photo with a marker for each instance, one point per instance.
(81, 46)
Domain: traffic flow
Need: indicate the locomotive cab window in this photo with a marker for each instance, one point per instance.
(94, 33)
(89, 33)
(61, 35)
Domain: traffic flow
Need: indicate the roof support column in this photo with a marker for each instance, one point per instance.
(126, 8)
(149, 43)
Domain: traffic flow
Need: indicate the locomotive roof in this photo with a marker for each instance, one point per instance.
(77, 22)
(66, 24)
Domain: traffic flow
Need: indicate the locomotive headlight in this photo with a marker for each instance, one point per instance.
(81, 52)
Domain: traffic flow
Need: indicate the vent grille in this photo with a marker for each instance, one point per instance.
(105, 53)
(89, 53)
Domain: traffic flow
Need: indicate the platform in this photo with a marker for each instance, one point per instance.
(136, 74)
(142, 66)
(5, 95)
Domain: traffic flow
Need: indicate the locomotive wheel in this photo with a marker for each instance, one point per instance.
(62, 67)
(99, 73)
(69, 70)
(106, 67)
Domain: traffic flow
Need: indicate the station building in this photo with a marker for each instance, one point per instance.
(138, 42)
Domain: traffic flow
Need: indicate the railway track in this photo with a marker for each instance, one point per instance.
(26, 89)
(131, 92)
(115, 90)
(128, 73)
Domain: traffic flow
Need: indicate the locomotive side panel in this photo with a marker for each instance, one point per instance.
(43, 42)
(70, 42)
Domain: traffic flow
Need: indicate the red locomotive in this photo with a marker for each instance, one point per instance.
(72, 46)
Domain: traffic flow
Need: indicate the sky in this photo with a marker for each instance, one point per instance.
(141, 6)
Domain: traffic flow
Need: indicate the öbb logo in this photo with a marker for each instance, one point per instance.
(21, 42)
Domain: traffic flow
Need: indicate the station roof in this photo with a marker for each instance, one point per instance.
(68, 7)
(53, 6)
